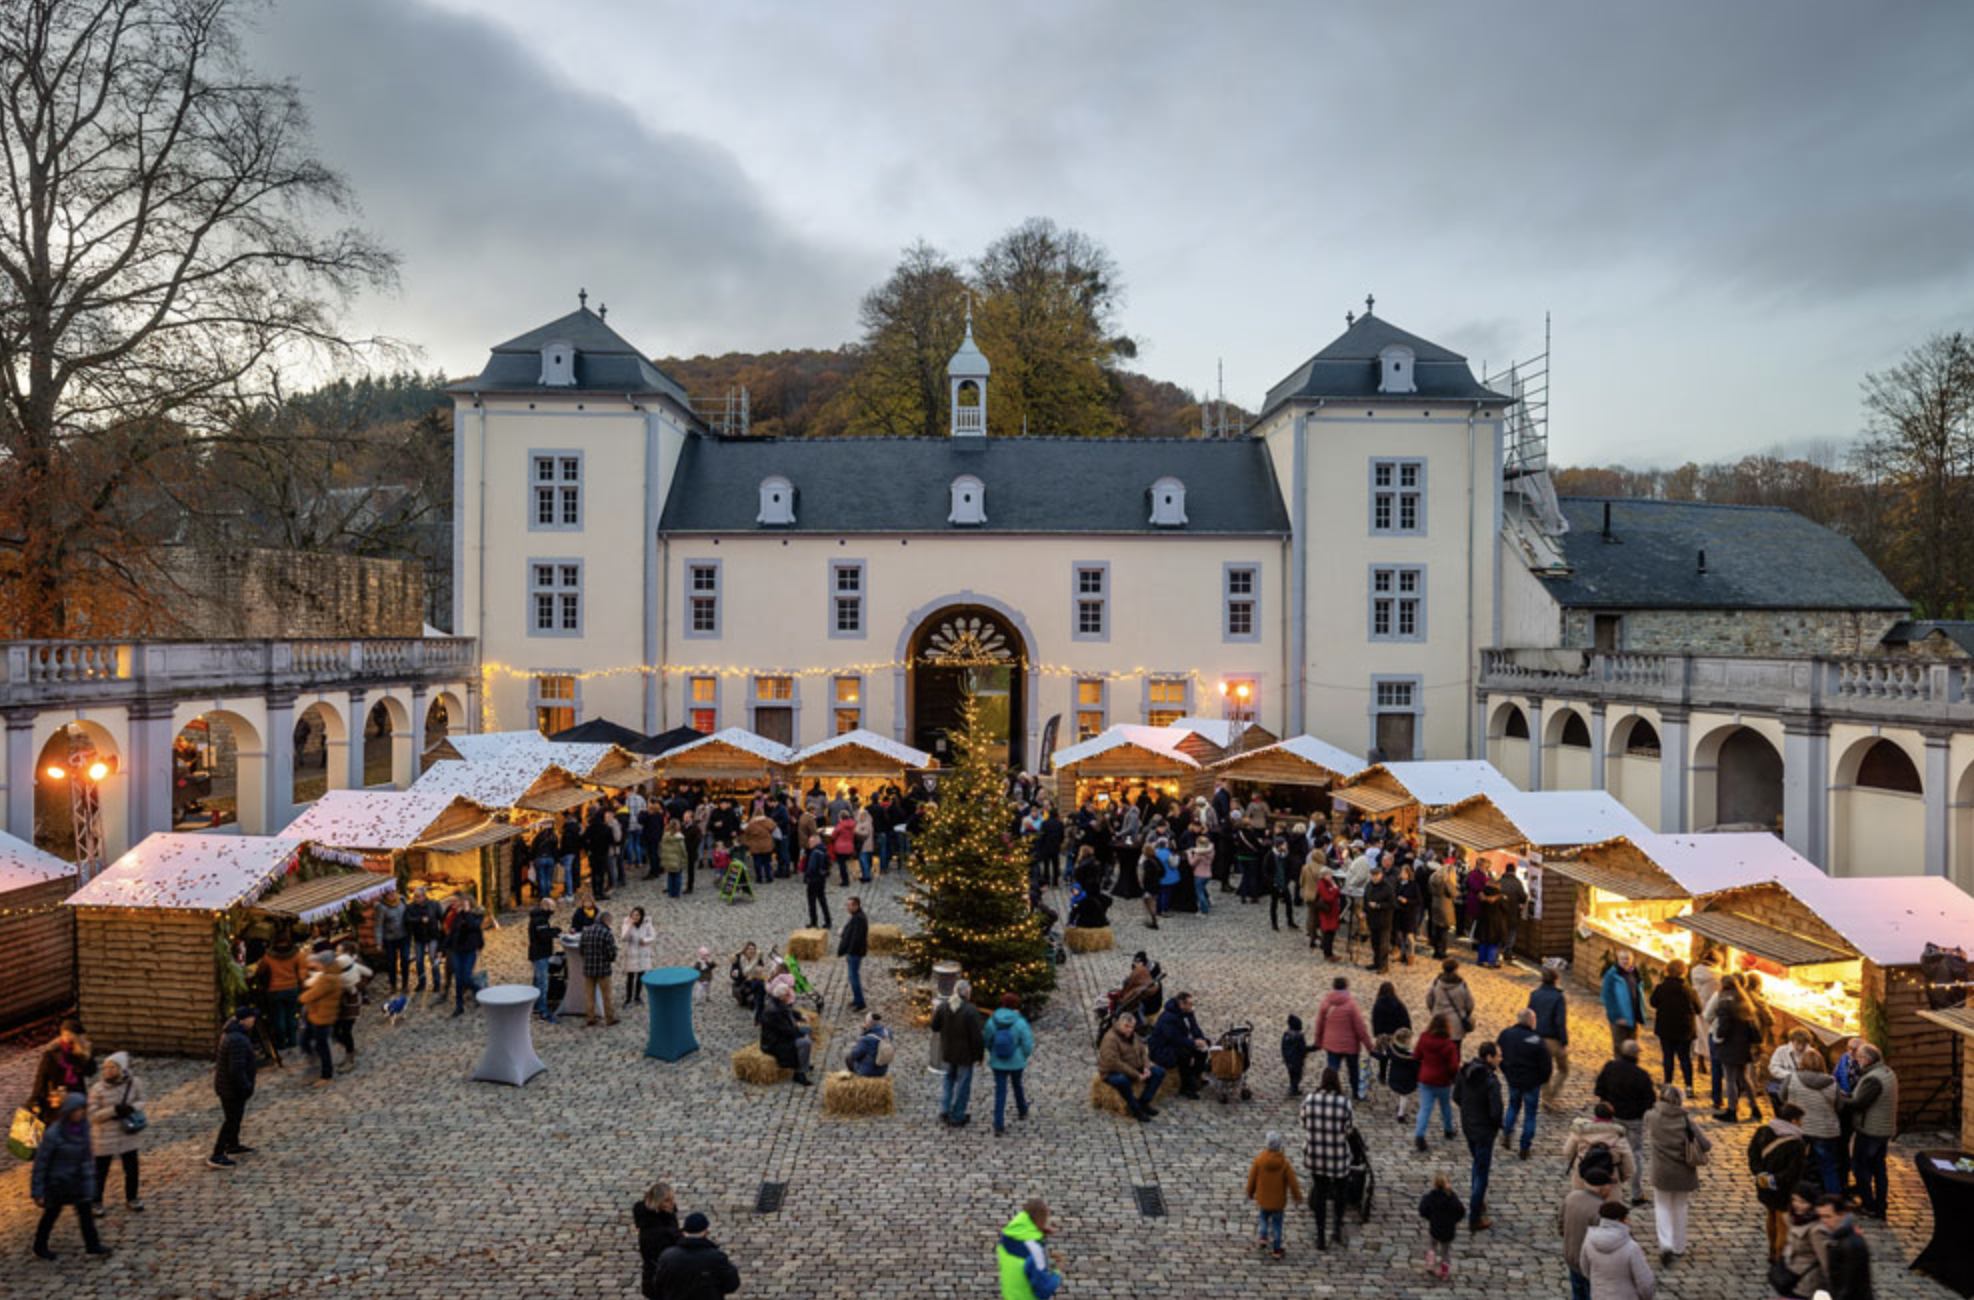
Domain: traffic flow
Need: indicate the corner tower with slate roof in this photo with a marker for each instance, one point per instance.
(620, 560)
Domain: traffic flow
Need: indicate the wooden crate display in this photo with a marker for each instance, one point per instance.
(39, 946)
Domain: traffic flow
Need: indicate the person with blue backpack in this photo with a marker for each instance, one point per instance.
(1010, 1042)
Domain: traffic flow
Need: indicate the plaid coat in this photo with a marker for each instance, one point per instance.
(1327, 1119)
(599, 950)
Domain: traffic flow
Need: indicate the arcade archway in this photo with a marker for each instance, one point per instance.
(962, 647)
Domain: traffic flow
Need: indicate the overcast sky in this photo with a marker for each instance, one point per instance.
(1733, 210)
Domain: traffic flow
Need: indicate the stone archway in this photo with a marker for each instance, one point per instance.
(1737, 779)
(961, 647)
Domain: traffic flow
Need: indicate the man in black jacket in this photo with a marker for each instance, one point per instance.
(1048, 848)
(597, 841)
(1525, 1065)
(1628, 1087)
(1477, 1089)
(233, 1076)
(784, 1038)
(852, 947)
(1848, 1267)
(1552, 1021)
(956, 1025)
(815, 874)
(421, 922)
(1380, 903)
(696, 1269)
(541, 950)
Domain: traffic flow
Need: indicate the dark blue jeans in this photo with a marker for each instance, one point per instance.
(397, 962)
(764, 867)
(856, 965)
(1347, 1062)
(462, 977)
(1003, 1079)
(1829, 1162)
(1579, 1286)
(1528, 1101)
(316, 1040)
(957, 1091)
(1123, 1082)
(1483, 1153)
(1868, 1160)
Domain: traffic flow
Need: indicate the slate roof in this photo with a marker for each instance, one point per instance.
(1758, 557)
(1912, 631)
(1033, 485)
(605, 363)
(1348, 370)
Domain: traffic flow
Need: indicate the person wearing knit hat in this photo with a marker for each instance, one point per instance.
(65, 1174)
(695, 1266)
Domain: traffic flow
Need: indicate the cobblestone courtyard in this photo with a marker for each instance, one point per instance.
(406, 1180)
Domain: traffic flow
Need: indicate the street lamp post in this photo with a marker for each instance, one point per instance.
(1235, 708)
(85, 773)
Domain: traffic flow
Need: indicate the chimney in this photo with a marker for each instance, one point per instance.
(1703, 562)
(1607, 521)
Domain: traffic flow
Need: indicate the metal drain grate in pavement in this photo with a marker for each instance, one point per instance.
(768, 1199)
(1151, 1201)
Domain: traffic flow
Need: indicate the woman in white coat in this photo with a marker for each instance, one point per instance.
(635, 940)
(114, 1097)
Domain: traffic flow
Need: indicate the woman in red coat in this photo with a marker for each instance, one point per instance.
(1439, 1061)
(843, 847)
(1342, 1033)
(1329, 912)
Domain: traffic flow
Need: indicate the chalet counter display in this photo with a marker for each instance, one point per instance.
(1294, 777)
(1842, 958)
(1117, 762)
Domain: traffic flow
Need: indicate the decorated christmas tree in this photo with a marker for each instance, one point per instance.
(970, 894)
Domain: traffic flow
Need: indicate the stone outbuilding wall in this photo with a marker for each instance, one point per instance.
(258, 592)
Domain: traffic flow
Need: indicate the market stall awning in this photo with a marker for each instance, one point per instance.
(1750, 935)
(621, 770)
(860, 753)
(188, 872)
(478, 837)
(23, 866)
(1889, 919)
(309, 901)
(1299, 760)
(1602, 871)
(1478, 826)
(1126, 750)
(1375, 796)
(1958, 1019)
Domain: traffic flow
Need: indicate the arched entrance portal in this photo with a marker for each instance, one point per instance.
(966, 647)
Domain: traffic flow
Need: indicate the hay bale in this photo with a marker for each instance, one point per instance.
(1077, 939)
(849, 1094)
(752, 1065)
(808, 945)
(818, 1031)
(886, 939)
(1104, 1097)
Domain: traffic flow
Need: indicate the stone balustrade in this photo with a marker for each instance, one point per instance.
(39, 673)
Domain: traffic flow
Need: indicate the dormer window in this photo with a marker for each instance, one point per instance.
(1395, 370)
(777, 501)
(1168, 503)
(558, 365)
(969, 501)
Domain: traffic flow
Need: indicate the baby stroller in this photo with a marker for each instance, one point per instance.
(1143, 1005)
(1360, 1185)
(803, 989)
(1227, 1063)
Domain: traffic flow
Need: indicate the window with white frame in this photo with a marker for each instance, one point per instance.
(1166, 700)
(554, 701)
(1398, 496)
(1240, 618)
(1090, 614)
(703, 699)
(846, 598)
(848, 701)
(555, 597)
(1092, 706)
(556, 486)
(1398, 603)
(702, 598)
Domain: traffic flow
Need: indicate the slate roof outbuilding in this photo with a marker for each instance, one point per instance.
(1758, 557)
(1033, 485)
(1347, 370)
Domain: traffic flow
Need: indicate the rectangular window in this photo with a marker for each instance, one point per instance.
(704, 693)
(555, 598)
(1398, 608)
(554, 703)
(849, 704)
(774, 688)
(1398, 496)
(1166, 700)
(1090, 612)
(555, 487)
(846, 598)
(1396, 709)
(1240, 603)
(1090, 706)
(702, 598)
(771, 713)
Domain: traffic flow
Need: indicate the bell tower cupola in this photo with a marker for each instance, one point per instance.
(966, 375)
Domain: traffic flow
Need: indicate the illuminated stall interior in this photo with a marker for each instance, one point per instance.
(1294, 777)
(1119, 763)
(1815, 984)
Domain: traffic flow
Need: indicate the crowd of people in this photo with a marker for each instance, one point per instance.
(1817, 1162)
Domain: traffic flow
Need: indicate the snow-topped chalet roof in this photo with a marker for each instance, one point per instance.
(1308, 749)
(375, 819)
(1160, 741)
(22, 865)
(844, 749)
(498, 783)
(1567, 816)
(577, 756)
(1889, 919)
(1715, 860)
(1438, 782)
(768, 751)
(190, 872)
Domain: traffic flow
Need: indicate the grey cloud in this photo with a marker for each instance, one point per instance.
(506, 188)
